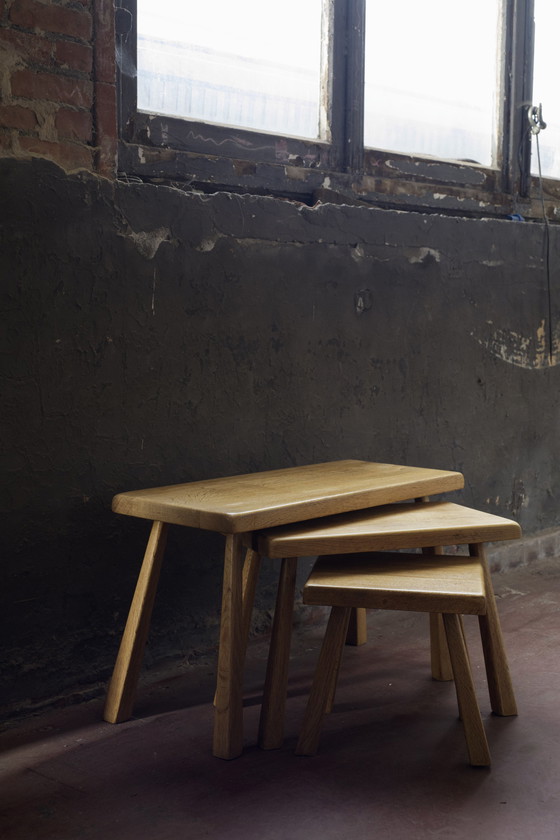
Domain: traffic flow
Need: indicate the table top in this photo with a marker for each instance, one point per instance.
(387, 527)
(242, 503)
(414, 582)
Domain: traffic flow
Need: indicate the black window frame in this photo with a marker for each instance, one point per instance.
(205, 157)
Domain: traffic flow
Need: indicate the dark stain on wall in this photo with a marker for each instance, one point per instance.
(153, 336)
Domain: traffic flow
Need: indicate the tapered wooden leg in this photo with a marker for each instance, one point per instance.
(228, 714)
(122, 688)
(271, 728)
(477, 745)
(439, 655)
(325, 674)
(460, 617)
(500, 688)
(357, 628)
(331, 688)
(251, 568)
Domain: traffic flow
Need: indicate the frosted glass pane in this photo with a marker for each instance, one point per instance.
(431, 77)
(248, 63)
(545, 87)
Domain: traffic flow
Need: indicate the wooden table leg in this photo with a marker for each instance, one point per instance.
(251, 568)
(502, 696)
(122, 688)
(357, 627)
(228, 714)
(439, 652)
(324, 681)
(271, 727)
(477, 745)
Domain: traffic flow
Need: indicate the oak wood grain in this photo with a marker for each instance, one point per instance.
(122, 687)
(241, 503)
(448, 584)
(386, 528)
(451, 584)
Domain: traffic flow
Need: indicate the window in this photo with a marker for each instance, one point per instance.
(224, 63)
(419, 104)
(545, 87)
(432, 95)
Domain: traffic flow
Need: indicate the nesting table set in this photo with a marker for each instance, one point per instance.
(338, 507)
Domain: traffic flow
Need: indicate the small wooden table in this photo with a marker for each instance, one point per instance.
(237, 506)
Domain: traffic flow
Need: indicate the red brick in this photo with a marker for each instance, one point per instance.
(106, 130)
(105, 64)
(52, 88)
(14, 116)
(68, 155)
(74, 125)
(74, 56)
(106, 160)
(32, 48)
(51, 18)
(105, 111)
(104, 16)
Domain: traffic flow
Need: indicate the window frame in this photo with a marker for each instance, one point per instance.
(184, 153)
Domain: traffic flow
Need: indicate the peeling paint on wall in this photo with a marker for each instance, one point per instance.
(528, 352)
(422, 255)
(148, 241)
(208, 244)
(519, 498)
(316, 334)
(295, 173)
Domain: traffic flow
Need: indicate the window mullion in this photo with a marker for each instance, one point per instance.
(518, 94)
(347, 80)
(355, 64)
(126, 34)
(337, 83)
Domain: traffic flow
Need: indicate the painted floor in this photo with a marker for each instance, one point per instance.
(392, 761)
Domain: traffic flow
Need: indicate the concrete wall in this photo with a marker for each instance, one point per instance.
(152, 336)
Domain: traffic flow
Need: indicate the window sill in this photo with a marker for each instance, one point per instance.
(395, 182)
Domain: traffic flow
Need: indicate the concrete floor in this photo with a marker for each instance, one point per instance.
(392, 761)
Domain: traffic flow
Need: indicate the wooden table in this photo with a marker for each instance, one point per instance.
(236, 506)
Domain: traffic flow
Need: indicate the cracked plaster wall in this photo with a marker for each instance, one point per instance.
(152, 336)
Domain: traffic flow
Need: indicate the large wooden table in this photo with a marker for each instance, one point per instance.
(237, 506)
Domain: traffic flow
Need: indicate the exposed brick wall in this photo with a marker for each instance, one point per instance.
(57, 82)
